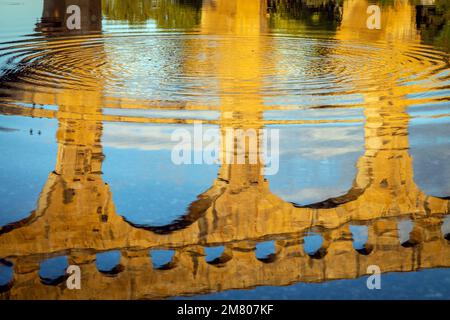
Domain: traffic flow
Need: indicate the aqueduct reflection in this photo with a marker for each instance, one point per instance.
(75, 215)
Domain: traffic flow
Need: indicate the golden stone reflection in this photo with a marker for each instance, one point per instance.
(230, 61)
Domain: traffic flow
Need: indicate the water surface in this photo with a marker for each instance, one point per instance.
(86, 178)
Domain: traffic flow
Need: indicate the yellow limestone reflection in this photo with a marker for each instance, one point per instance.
(75, 215)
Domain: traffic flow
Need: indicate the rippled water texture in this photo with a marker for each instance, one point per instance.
(87, 116)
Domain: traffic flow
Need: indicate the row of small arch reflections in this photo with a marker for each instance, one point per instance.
(53, 270)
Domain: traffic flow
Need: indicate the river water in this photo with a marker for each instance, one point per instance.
(358, 116)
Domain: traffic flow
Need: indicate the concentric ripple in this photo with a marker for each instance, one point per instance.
(278, 71)
(67, 63)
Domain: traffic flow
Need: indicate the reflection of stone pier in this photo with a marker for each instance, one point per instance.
(327, 12)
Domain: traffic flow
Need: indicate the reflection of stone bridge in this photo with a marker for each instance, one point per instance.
(75, 215)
